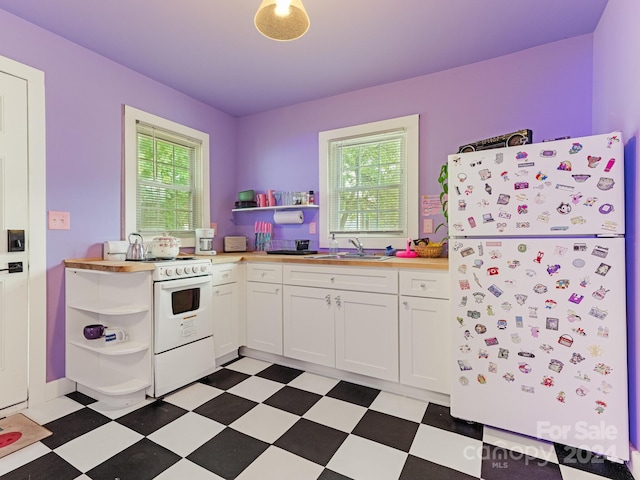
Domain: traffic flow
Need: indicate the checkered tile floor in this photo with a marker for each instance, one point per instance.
(253, 420)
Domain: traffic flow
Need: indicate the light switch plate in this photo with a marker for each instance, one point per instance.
(427, 225)
(312, 228)
(59, 220)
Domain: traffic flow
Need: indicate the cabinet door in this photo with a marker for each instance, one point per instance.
(367, 333)
(264, 317)
(425, 342)
(225, 318)
(308, 325)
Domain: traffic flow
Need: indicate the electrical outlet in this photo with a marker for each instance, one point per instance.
(59, 220)
(312, 228)
(214, 225)
(427, 225)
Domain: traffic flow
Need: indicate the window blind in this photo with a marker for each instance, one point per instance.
(367, 184)
(168, 199)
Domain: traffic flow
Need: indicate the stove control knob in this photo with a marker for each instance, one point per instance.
(169, 272)
(187, 270)
(179, 271)
(203, 268)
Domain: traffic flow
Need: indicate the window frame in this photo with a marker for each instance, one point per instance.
(131, 118)
(410, 124)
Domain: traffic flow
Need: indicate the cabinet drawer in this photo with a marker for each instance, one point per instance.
(342, 278)
(225, 273)
(264, 272)
(421, 283)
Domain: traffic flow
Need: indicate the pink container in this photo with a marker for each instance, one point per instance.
(262, 200)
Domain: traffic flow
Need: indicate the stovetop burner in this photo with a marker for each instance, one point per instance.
(159, 260)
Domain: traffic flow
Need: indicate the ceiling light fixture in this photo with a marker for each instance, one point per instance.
(282, 19)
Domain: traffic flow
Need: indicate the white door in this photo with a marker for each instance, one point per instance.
(14, 210)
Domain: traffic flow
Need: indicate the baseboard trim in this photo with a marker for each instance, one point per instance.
(387, 386)
(634, 462)
(12, 409)
(226, 358)
(56, 389)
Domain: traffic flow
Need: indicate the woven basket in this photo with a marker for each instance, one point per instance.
(429, 251)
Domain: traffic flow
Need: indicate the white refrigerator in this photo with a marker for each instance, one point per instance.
(538, 297)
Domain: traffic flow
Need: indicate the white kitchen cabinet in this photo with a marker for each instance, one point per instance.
(360, 325)
(425, 334)
(264, 307)
(117, 374)
(309, 325)
(367, 333)
(380, 280)
(226, 307)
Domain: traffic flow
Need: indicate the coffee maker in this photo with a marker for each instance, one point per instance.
(204, 241)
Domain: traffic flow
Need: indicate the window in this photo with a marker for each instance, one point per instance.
(369, 183)
(166, 177)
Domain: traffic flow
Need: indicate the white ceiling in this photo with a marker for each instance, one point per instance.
(210, 49)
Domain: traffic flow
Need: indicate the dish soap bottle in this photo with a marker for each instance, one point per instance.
(333, 245)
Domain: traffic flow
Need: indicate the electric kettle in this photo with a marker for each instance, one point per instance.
(135, 252)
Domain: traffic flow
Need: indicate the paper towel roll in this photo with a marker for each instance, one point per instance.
(288, 216)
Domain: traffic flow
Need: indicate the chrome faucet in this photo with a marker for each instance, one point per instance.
(356, 243)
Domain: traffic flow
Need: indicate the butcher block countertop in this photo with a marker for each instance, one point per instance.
(392, 262)
(387, 262)
(108, 265)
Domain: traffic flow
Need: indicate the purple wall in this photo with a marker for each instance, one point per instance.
(616, 106)
(547, 89)
(85, 94)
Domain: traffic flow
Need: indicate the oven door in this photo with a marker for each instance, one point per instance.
(182, 312)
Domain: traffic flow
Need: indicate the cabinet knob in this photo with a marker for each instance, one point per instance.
(333, 279)
(406, 304)
(277, 290)
(263, 274)
(327, 299)
(218, 292)
(423, 286)
(338, 301)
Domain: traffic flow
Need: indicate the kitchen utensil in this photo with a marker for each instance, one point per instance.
(91, 332)
(135, 252)
(164, 247)
(114, 335)
(246, 195)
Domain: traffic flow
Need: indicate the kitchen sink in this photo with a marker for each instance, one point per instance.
(347, 256)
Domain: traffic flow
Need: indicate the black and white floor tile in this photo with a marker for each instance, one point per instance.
(253, 420)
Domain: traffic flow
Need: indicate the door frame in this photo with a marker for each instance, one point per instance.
(37, 270)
